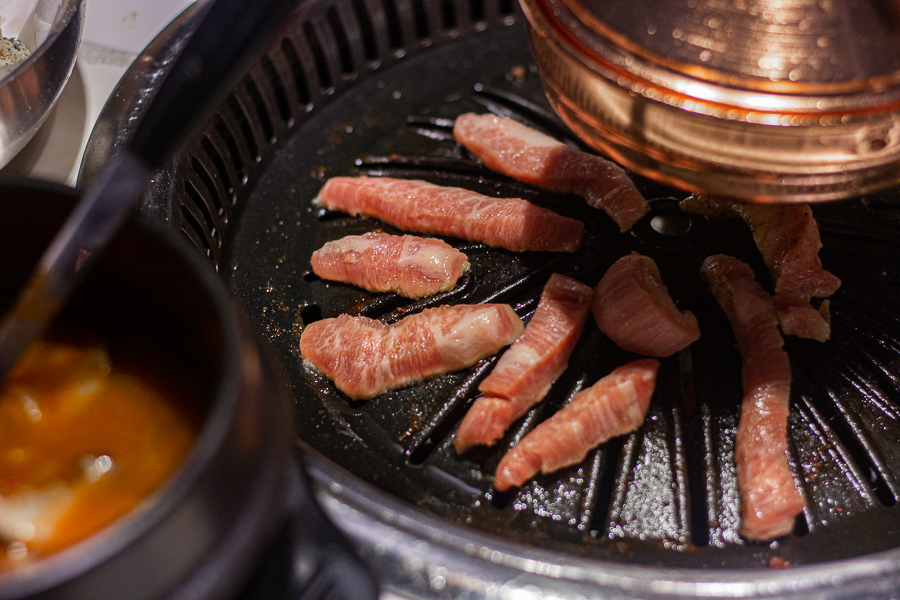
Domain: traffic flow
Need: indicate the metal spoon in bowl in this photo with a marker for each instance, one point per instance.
(227, 38)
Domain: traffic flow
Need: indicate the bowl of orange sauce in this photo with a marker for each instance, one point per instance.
(144, 442)
(84, 440)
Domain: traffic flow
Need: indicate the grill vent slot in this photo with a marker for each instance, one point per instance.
(476, 9)
(370, 47)
(392, 22)
(315, 46)
(243, 122)
(212, 192)
(233, 152)
(420, 17)
(262, 111)
(208, 221)
(343, 44)
(198, 222)
(275, 80)
(194, 231)
(448, 14)
(224, 176)
(300, 82)
(310, 313)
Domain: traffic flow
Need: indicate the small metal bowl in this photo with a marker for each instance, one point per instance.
(29, 91)
(755, 100)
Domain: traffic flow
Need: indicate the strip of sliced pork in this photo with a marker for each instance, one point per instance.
(408, 265)
(529, 156)
(525, 372)
(788, 239)
(614, 406)
(770, 500)
(365, 358)
(633, 308)
(421, 207)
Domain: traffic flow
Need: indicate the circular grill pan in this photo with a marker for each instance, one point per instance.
(665, 495)
(372, 88)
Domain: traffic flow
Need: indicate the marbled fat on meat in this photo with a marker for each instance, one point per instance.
(411, 266)
(615, 405)
(365, 357)
(632, 306)
(788, 239)
(525, 372)
(526, 155)
(770, 499)
(421, 207)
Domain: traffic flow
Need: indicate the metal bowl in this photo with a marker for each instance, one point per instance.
(756, 100)
(30, 90)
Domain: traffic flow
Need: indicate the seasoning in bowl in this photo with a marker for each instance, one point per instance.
(12, 51)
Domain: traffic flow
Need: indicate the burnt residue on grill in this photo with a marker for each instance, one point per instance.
(666, 494)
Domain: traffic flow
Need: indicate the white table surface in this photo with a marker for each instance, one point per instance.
(115, 32)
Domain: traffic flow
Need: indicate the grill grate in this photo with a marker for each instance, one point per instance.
(668, 490)
(372, 87)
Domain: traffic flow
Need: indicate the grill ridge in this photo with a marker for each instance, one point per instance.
(436, 428)
(849, 430)
(850, 468)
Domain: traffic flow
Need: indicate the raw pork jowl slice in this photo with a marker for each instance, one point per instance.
(365, 357)
(770, 499)
(614, 406)
(526, 155)
(421, 207)
(633, 308)
(525, 372)
(411, 266)
(788, 239)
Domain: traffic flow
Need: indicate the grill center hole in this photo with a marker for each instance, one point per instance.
(675, 223)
